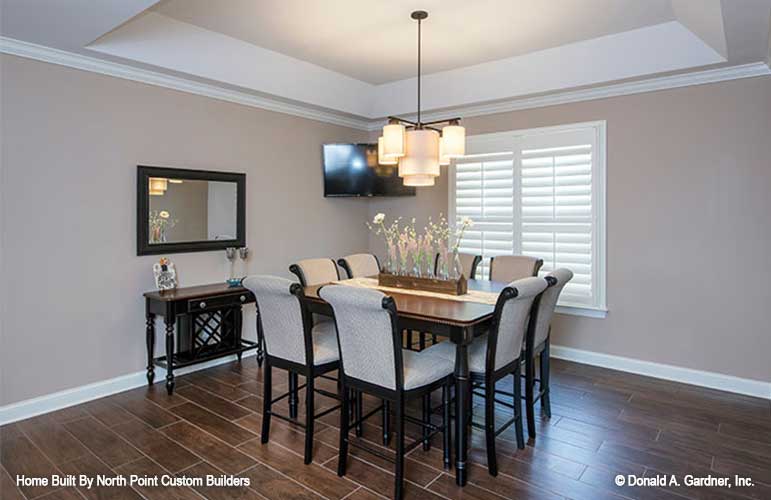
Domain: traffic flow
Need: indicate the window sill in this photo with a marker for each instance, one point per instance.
(586, 312)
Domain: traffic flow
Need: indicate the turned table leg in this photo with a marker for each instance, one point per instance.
(462, 404)
(150, 340)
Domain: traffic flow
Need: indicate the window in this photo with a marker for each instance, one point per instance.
(538, 192)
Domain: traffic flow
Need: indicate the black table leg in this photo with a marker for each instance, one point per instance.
(169, 354)
(462, 403)
(293, 384)
(150, 339)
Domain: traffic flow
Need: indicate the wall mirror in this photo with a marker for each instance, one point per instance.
(180, 210)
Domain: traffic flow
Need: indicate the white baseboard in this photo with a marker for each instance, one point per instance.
(701, 378)
(58, 400)
(69, 397)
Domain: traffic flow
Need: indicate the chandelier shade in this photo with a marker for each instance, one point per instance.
(394, 140)
(382, 159)
(454, 141)
(422, 154)
(419, 180)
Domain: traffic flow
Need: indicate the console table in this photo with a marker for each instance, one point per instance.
(208, 321)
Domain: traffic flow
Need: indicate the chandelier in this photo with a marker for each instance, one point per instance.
(419, 148)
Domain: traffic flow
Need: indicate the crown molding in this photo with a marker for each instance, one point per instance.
(118, 70)
(615, 90)
(79, 61)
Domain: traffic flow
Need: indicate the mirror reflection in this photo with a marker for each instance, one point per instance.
(185, 210)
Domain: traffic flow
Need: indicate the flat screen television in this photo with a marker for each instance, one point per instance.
(353, 170)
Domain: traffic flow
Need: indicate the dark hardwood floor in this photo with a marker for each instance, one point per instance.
(603, 423)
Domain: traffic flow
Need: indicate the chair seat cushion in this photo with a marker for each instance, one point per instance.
(421, 368)
(477, 353)
(325, 348)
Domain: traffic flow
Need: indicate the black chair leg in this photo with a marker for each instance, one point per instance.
(530, 396)
(446, 433)
(426, 417)
(309, 412)
(359, 405)
(433, 339)
(342, 457)
(409, 339)
(422, 340)
(266, 397)
(293, 395)
(492, 462)
(399, 473)
(544, 386)
(518, 407)
(386, 418)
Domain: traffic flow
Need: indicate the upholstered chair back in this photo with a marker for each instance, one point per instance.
(280, 314)
(548, 302)
(315, 271)
(365, 334)
(512, 313)
(469, 261)
(360, 264)
(507, 268)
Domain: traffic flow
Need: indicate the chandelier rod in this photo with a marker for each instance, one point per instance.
(419, 40)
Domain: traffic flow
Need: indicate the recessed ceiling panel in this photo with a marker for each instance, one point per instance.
(375, 40)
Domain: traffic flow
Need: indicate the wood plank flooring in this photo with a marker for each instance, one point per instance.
(603, 423)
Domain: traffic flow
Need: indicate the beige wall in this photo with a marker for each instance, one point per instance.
(72, 311)
(688, 229)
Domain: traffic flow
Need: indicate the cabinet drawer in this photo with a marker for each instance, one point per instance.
(235, 299)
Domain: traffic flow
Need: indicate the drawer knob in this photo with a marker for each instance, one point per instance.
(243, 298)
(202, 305)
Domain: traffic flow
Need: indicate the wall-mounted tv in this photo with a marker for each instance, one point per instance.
(353, 170)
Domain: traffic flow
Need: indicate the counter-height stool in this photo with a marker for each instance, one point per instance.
(360, 264)
(315, 271)
(537, 343)
(373, 362)
(496, 355)
(310, 272)
(507, 268)
(293, 344)
(468, 261)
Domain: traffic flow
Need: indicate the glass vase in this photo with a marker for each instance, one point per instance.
(457, 268)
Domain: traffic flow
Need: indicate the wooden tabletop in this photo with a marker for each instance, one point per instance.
(195, 292)
(452, 312)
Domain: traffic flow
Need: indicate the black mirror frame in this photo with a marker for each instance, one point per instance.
(143, 206)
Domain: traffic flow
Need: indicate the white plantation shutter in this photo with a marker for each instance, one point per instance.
(539, 193)
(484, 190)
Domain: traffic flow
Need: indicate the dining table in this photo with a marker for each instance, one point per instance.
(458, 320)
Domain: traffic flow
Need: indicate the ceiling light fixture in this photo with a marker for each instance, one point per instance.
(420, 148)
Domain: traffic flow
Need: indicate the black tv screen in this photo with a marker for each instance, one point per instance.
(353, 170)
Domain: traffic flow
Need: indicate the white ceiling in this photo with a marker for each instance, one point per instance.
(357, 57)
(375, 41)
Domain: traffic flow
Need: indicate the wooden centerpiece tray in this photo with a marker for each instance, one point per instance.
(450, 287)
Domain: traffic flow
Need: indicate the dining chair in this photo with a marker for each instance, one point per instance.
(315, 271)
(373, 362)
(294, 344)
(507, 268)
(360, 264)
(468, 261)
(497, 354)
(537, 343)
(310, 272)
